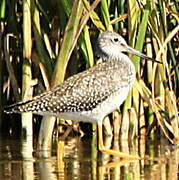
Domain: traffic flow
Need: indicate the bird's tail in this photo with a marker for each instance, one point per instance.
(16, 108)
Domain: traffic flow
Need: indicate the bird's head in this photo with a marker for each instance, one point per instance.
(111, 46)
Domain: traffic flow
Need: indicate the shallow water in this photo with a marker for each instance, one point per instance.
(77, 158)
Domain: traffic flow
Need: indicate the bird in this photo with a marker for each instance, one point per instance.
(91, 95)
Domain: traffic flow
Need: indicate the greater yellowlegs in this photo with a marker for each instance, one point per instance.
(90, 95)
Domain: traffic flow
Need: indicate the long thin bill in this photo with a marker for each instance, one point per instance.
(137, 53)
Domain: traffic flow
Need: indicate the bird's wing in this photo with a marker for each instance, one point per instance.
(81, 92)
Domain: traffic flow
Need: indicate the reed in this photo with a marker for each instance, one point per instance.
(27, 82)
(2, 15)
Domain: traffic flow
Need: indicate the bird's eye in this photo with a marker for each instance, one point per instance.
(116, 39)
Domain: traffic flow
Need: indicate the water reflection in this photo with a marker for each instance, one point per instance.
(78, 158)
(27, 164)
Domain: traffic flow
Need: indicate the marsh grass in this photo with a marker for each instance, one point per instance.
(56, 33)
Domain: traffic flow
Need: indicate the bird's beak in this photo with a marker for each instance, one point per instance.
(137, 53)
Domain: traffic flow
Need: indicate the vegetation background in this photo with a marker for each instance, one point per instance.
(44, 42)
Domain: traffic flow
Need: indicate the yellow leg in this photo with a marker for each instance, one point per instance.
(103, 149)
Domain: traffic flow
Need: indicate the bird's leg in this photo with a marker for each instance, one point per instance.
(103, 149)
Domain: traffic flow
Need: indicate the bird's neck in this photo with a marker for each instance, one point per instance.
(124, 59)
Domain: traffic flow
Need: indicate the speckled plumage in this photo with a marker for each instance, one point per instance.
(92, 94)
